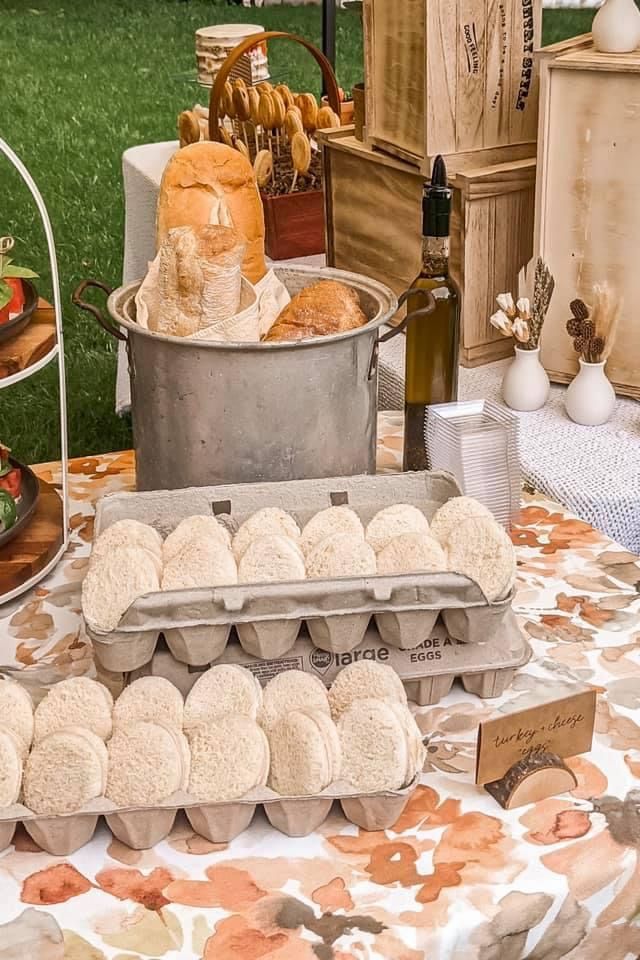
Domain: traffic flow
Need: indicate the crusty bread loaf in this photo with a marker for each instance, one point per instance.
(364, 679)
(10, 767)
(328, 522)
(480, 549)
(411, 553)
(210, 182)
(305, 753)
(114, 581)
(200, 563)
(292, 690)
(263, 523)
(147, 763)
(199, 280)
(224, 688)
(453, 512)
(392, 522)
(341, 555)
(127, 533)
(149, 698)
(16, 712)
(374, 747)
(228, 759)
(194, 528)
(75, 702)
(64, 771)
(271, 559)
(321, 309)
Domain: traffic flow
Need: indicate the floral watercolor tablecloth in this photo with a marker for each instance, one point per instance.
(456, 879)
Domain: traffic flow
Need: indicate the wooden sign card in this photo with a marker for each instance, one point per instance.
(519, 755)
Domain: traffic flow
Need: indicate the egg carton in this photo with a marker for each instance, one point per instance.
(143, 827)
(268, 617)
(427, 671)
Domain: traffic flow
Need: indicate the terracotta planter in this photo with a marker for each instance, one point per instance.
(294, 225)
(346, 111)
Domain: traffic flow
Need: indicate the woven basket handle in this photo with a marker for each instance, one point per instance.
(329, 77)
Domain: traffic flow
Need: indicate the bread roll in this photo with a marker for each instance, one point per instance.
(328, 522)
(263, 523)
(375, 752)
(341, 556)
(364, 679)
(392, 522)
(324, 308)
(75, 702)
(411, 553)
(209, 182)
(199, 280)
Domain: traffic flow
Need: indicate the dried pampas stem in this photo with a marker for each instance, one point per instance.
(543, 285)
(605, 315)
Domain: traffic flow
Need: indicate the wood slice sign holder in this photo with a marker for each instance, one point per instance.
(532, 779)
(294, 223)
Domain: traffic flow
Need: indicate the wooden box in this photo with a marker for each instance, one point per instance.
(453, 77)
(588, 203)
(373, 212)
(294, 225)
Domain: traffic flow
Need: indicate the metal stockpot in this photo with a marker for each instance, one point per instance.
(209, 412)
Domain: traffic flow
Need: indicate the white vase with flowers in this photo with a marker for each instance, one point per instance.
(525, 386)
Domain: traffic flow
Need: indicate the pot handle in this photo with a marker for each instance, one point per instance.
(421, 314)
(106, 324)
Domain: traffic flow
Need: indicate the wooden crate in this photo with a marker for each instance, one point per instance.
(454, 77)
(373, 214)
(587, 204)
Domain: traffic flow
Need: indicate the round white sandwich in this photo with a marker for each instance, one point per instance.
(270, 559)
(225, 688)
(480, 549)
(305, 753)
(10, 767)
(149, 698)
(374, 747)
(195, 528)
(64, 771)
(200, 563)
(228, 759)
(113, 582)
(341, 555)
(416, 752)
(16, 712)
(392, 522)
(292, 690)
(364, 679)
(75, 702)
(452, 513)
(411, 553)
(148, 762)
(269, 521)
(327, 523)
(127, 533)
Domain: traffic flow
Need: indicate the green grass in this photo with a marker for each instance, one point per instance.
(82, 80)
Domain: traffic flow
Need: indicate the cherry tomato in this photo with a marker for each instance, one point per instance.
(12, 482)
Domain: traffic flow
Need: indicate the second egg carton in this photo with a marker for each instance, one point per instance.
(268, 617)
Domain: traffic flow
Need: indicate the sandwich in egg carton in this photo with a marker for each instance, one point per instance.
(267, 558)
(293, 748)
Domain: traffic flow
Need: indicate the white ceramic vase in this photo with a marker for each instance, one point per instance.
(590, 399)
(616, 27)
(526, 385)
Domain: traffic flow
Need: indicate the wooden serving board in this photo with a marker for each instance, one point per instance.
(29, 552)
(33, 343)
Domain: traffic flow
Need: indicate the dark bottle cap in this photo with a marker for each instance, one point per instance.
(436, 202)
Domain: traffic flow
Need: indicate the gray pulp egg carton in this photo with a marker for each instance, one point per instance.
(143, 827)
(427, 671)
(268, 617)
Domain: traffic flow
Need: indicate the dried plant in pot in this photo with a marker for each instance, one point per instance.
(591, 399)
(525, 386)
(279, 121)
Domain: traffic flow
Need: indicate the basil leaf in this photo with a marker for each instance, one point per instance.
(8, 510)
(22, 272)
(6, 294)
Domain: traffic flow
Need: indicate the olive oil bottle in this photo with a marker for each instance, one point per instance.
(432, 342)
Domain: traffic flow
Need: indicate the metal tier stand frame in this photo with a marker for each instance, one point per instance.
(57, 351)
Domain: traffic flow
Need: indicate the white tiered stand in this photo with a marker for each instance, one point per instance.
(55, 353)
